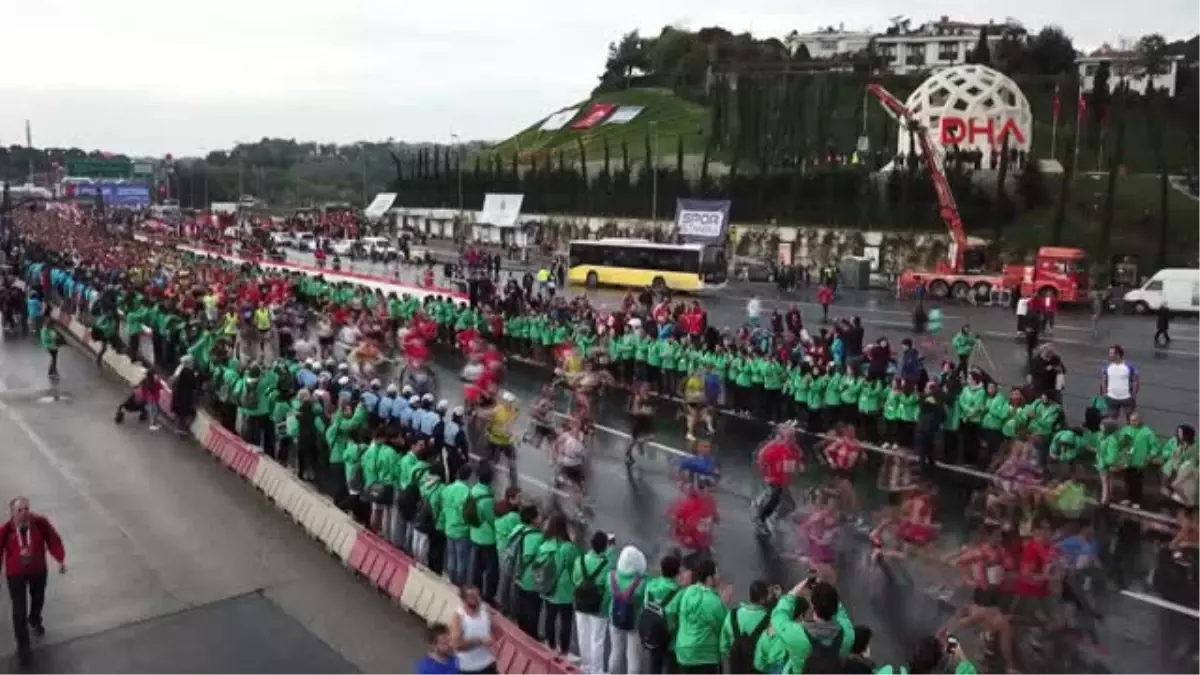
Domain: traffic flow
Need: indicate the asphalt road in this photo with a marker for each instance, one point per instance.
(631, 505)
(174, 564)
(1169, 395)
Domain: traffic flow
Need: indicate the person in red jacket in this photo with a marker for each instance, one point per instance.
(778, 462)
(24, 542)
(825, 299)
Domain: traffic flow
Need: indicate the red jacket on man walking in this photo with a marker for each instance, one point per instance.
(24, 549)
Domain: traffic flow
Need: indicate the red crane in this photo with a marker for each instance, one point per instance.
(933, 162)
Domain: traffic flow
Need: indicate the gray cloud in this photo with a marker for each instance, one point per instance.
(147, 76)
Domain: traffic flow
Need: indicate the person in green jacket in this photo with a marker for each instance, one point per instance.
(50, 342)
(744, 627)
(699, 612)
(659, 592)
(963, 344)
(931, 655)
(552, 566)
(589, 573)
(996, 412)
(1141, 446)
(458, 531)
(626, 594)
(523, 546)
(485, 563)
(970, 407)
(1109, 458)
(829, 625)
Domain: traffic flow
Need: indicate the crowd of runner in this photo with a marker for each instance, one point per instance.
(333, 379)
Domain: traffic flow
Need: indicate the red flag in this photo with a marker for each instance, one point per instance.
(1057, 103)
(1082, 107)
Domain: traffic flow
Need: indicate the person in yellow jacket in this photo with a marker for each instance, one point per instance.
(499, 421)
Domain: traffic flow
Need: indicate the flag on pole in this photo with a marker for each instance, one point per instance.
(1057, 102)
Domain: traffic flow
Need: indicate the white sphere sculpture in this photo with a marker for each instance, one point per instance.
(970, 107)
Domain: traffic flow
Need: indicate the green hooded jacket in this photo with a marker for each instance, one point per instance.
(700, 616)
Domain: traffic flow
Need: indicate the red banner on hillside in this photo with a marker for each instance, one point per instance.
(598, 113)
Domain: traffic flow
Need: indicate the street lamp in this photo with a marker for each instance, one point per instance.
(458, 160)
(654, 177)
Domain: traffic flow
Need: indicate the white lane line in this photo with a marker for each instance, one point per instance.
(1164, 604)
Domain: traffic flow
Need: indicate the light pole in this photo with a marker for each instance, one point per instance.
(654, 177)
(458, 160)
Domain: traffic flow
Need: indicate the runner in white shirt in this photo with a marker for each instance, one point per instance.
(570, 458)
(1119, 383)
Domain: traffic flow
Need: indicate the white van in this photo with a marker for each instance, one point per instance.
(1178, 288)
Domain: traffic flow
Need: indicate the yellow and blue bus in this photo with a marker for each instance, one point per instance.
(641, 263)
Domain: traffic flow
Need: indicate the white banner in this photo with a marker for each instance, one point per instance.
(558, 120)
(624, 114)
(380, 205)
(501, 210)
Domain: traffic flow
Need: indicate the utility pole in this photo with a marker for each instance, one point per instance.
(458, 160)
(364, 178)
(654, 177)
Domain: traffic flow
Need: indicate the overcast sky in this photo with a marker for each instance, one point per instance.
(155, 76)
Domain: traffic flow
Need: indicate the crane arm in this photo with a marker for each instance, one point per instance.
(948, 208)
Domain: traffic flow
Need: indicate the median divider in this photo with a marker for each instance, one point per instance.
(410, 585)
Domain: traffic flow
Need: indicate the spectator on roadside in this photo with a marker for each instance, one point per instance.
(626, 591)
(472, 633)
(1119, 383)
(440, 658)
(24, 542)
(699, 613)
(589, 573)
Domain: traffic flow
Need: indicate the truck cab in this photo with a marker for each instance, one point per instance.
(1058, 271)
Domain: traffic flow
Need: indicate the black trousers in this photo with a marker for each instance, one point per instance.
(27, 596)
(560, 619)
(529, 610)
(53, 372)
(485, 572)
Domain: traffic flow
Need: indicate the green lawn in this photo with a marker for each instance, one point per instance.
(1135, 227)
(665, 114)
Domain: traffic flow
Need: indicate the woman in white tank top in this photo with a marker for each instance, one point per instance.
(471, 630)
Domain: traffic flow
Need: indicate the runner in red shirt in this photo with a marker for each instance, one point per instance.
(692, 519)
(778, 463)
(843, 451)
(1033, 586)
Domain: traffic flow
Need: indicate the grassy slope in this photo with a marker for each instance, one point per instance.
(1135, 228)
(674, 116)
(677, 117)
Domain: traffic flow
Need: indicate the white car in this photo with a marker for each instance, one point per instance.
(305, 241)
(284, 239)
(378, 245)
(341, 246)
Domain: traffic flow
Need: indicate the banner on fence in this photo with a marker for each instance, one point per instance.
(624, 114)
(558, 120)
(597, 114)
(703, 221)
(501, 210)
(380, 205)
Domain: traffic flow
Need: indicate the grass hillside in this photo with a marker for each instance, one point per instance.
(673, 116)
(838, 100)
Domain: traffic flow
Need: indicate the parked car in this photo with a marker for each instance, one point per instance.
(754, 269)
(341, 246)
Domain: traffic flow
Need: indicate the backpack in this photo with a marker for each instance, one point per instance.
(249, 397)
(514, 553)
(623, 617)
(410, 496)
(471, 511)
(652, 624)
(741, 654)
(424, 519)
(588, 596)
(825, 658)
(545, 575)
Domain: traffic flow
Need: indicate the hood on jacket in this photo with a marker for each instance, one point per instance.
(822, 631)
(631, 561)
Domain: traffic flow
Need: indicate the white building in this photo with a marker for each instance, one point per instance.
(831, 42)
(937, 44)
(1124, 67)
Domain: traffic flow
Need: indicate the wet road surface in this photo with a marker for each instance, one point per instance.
(174, 563)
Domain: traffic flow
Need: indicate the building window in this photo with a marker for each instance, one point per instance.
(947, 51)
(1090, 70)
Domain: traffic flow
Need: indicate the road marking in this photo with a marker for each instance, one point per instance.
(1164, 604)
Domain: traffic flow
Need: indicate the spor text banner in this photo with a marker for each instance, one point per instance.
(594, 116)
(702, 220)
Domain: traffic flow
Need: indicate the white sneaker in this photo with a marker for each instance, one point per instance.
(154, 427)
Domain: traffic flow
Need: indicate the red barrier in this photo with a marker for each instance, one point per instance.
(519, 654)
(231, 450)
(381, 563)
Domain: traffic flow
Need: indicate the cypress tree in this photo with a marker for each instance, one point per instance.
(1117, 158)
(625, 156)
